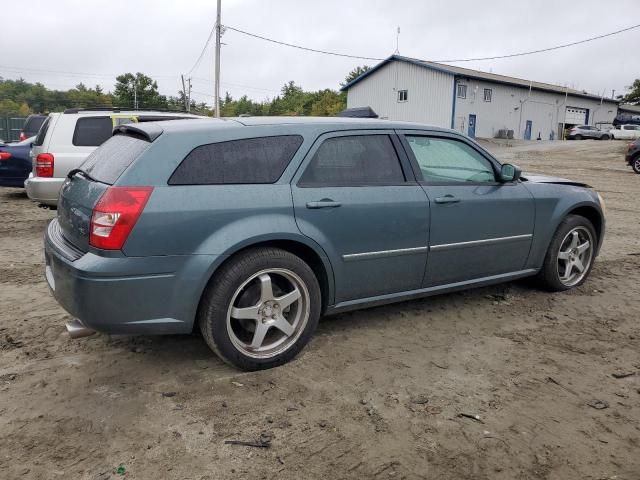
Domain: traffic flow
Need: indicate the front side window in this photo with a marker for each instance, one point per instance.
(92, 131)
(354, 161)
(447, 160)
(403, 95)
(487, 94)
(246, 161)
(462, 91)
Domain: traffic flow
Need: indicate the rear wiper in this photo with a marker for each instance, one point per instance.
(81, 172)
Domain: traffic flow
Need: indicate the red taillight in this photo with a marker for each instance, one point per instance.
(115, 215)
(5, 155)
(44, 165)
(22, 136)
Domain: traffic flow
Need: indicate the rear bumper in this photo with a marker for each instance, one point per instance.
(43, 190)
(126, 295)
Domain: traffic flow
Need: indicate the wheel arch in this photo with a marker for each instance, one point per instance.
(592, 214)
(311, 254)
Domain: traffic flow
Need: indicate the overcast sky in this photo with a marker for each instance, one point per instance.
(92, 40)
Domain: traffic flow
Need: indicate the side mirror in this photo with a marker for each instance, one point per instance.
(509, 173)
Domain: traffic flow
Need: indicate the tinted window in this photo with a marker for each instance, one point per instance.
(33, 124)
(92, 131)
(354, 160)
(42, 132)
(447, 160)
(108, 162)
(251, 160)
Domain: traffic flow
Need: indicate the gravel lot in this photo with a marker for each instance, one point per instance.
(381, 393)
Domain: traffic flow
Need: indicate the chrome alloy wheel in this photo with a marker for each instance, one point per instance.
(575, 256)
(268, 313)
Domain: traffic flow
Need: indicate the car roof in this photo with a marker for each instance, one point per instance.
(328, 123)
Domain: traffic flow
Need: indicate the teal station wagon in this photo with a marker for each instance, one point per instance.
(253, 228)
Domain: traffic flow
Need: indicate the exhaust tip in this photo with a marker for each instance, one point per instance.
(76, 329)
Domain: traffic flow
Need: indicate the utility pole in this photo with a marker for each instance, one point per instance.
(217, 65)
(184, 94)
(189, 97)
(135, 94)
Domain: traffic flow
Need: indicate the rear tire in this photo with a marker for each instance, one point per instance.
(635, 164)
(578, 137)
(570, 256)
(260, 309)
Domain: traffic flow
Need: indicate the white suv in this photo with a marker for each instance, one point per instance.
(66, 139)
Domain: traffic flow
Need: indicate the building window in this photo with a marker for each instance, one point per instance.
(403, 95)
(462, 91)
(487, 94)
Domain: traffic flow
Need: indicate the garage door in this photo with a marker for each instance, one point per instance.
(576, 116)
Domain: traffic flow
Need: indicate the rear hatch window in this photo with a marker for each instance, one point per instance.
(81, 192)
(108, 162)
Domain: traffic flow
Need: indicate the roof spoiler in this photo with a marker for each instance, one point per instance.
(358, 112)
(149, 133)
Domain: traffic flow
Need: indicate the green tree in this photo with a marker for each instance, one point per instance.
(633, 97)
(355, 73)
(140, 87)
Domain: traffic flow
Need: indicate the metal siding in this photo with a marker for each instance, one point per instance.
(429, 94)
(511, 107)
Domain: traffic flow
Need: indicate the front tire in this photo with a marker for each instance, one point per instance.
(604, 137)
(260, 309)
(570, 256)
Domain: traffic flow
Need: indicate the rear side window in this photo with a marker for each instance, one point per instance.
(353, 161)
(251, 160)
(92, 131)
(108, 162)
(42, 132)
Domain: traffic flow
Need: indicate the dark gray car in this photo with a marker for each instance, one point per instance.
(253, 228)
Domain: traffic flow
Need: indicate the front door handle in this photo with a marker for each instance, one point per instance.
(447, 199)
(324, 203)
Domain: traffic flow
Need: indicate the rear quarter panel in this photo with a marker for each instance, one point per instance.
(212, 221)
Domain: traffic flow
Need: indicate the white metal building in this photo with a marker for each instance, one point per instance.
(476, 103)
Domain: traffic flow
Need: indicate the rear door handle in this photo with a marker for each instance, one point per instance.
(447, 199)
(324, 203)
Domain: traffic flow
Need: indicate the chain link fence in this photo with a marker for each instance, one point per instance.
(10, 128)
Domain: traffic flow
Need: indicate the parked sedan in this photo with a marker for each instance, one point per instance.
(253, 228)
(632, 157)
(587, 131)
(15, 163)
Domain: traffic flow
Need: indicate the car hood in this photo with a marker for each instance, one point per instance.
(532, 178)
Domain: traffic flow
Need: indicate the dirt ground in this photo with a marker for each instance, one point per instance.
(389, 392)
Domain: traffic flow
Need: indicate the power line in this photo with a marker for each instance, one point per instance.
(298, 46)
(531, 52)
(495, 57)
(208, 81)
(204, 48)
(72, 74)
